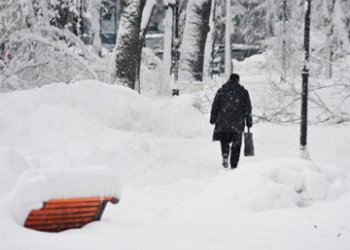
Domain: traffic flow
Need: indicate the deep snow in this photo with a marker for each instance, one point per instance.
(35, 186)
(175, 193)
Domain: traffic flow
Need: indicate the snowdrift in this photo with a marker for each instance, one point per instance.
(273, 184)
(12, 165)
(88, 123)
(54, 136)
(114, 106)
(36, 186)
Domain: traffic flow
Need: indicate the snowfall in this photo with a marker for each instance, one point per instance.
(157, 156)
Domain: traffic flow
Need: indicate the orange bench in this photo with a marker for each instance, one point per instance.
(63, 214)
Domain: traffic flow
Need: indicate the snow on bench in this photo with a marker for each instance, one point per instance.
(54, 200)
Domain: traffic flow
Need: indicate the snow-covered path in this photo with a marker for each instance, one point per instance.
(175, 193)
(172, 213)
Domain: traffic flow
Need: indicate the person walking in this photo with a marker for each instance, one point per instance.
(231, 111)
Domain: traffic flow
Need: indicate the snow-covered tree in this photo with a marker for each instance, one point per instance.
(228, 41)
(194, 39)
(254, 20)
(209, 53)
(328, 52)
(127, 52)
(45, 44)
(334, 26)
(93, 23)
(284, 39)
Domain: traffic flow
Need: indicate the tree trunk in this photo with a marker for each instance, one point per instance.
(209, 55)
(228, 44)
(330, 38)
(94, 9)
(194, 39)
(166, 63)
(284, 40)
(182, 18)
(127, 52)
(146, 19)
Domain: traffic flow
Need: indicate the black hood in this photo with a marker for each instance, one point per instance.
(231, 84)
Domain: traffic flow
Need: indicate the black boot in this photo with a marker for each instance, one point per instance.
(225, 161)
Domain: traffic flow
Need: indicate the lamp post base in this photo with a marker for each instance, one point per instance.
(304, 153)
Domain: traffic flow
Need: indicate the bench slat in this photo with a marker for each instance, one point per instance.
(58, 228)
(86, 199)
(61, 221)
(59, 216)
(65, 211)
(72, 205)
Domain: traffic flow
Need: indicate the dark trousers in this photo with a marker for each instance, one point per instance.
(236, 141)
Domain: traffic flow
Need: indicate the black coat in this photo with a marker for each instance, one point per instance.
(231, 110)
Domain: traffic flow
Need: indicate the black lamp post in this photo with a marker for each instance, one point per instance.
(175, 43)
(305, 77)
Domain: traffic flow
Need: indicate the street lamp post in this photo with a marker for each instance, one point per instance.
(305, 77)
(175, 53)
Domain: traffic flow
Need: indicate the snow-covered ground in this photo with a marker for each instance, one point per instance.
(175, 194)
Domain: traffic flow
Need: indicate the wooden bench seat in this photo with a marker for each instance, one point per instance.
(62, 214)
